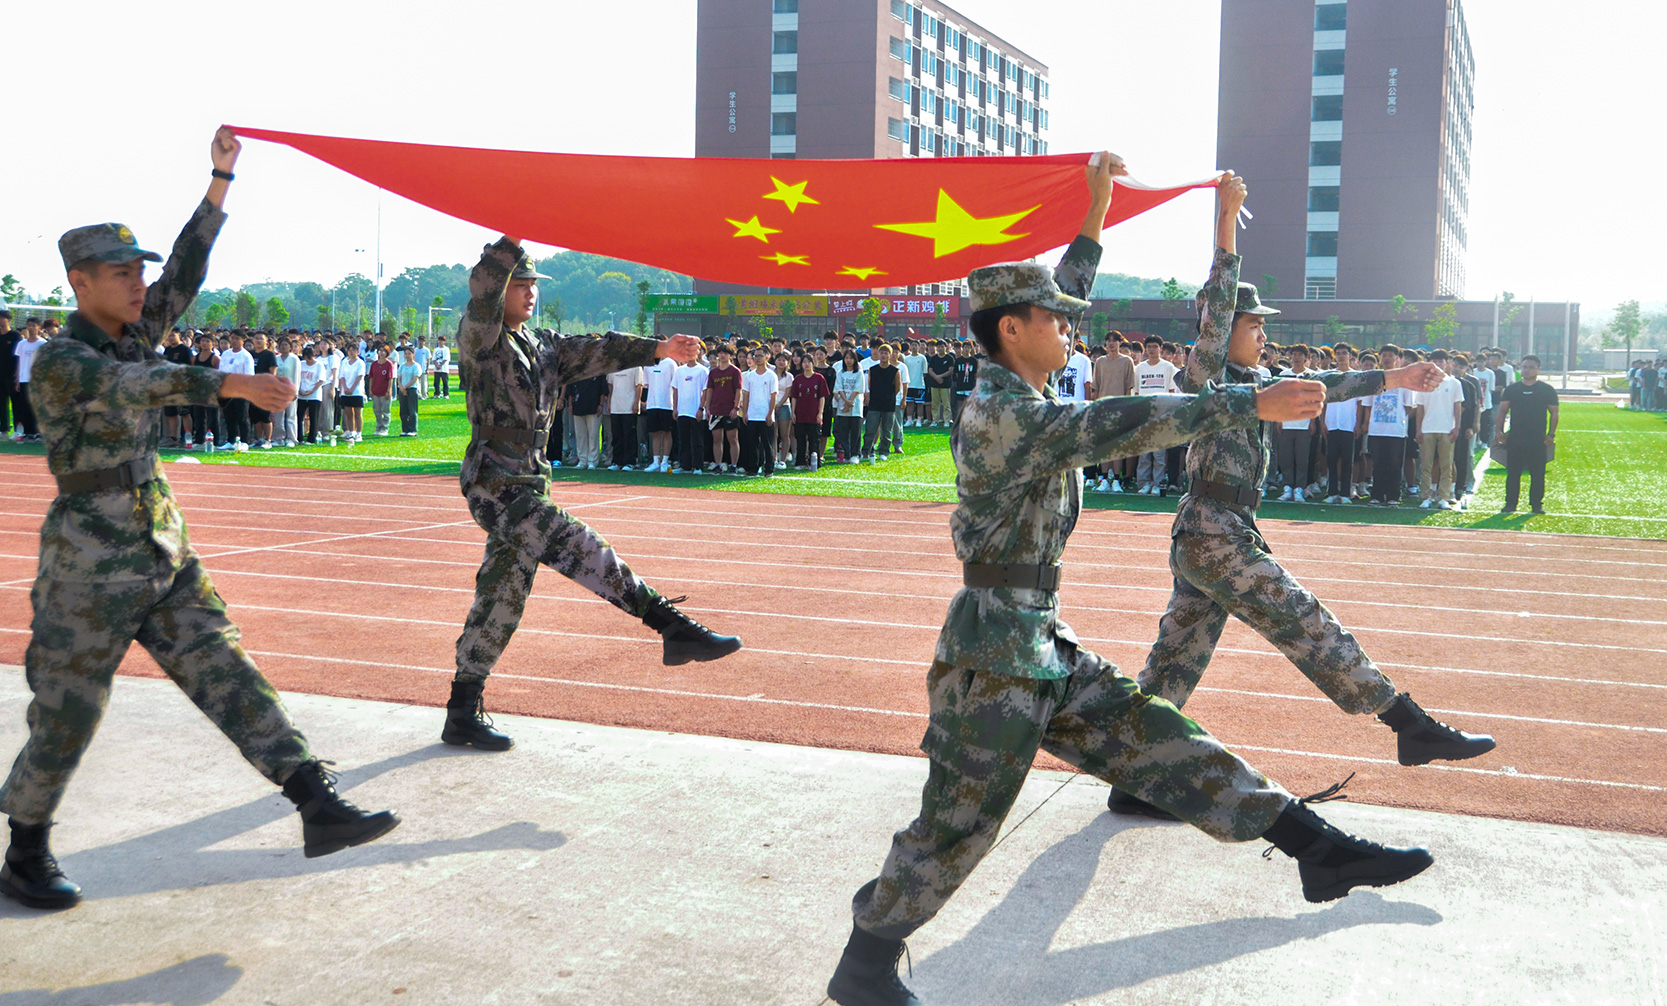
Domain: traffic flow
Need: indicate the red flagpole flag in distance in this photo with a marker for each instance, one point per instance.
(808, 224)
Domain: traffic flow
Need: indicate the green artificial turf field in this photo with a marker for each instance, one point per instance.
(1610, 476)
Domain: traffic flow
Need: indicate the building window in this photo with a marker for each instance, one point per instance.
(897, 89)
(786, 6)
(1328, 63)
(899, 49)
(786, 43)
(899, 10)
(1325, 153)
(1328, 108)
(784, 83)
(1323, 199)
(784, 123)
(1321, 287)
(1322, 244)
(897, 129)
(1331, 17)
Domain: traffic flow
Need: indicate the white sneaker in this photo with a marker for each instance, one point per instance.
(1297, 497)
(1443, 505)
(1102, 486)
(1116, 486)
(1427, 505)
(1285, 497)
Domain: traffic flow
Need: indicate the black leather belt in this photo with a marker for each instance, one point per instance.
(505, 435)
(124, 476)
(1027, 576)
(1236, 495)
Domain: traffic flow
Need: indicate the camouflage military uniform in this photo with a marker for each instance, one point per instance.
(511, 379)
(1219, 558)
(116, 565)
(1009, 677)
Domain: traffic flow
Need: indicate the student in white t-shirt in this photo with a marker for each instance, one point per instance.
(760, 395)
(1073, 379)
(1387, 429)
(687, 385)
(914, 367)
(624, 406)
(350, 394)
(1437, 414)
(309, 379)
(661, 420)
(1341, 419)
(850, 384)
(1153, 375)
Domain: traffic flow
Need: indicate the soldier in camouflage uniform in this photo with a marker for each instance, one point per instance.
(1220, 560)
(116, 564)
(511, 378)
(1009, 677)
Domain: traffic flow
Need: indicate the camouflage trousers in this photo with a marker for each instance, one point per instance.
(1231, 573)
(525, 529)
(984, 732)
(82, 629)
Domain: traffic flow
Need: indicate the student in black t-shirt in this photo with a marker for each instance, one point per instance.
(205, 419)
(175, 350)
(879, 405)
(266, 361)
(1528, 404)
(940, 364)
(963, 376)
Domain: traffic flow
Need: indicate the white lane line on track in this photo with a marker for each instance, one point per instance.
(683, 693)
(801, 504)
(1537, 777)
(336, 538)
(1467, 713)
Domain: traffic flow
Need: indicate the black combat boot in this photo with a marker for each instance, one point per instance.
(1129, 805)
(1330, 861)
(1420, 738)
(329, 823)
(685, 638)
(467, 722)
(30, 875)
(867, 973)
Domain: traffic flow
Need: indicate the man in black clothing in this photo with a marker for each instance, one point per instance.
(1464, 442)
(939, 364)
(963, 376)
(205, 419)
(8, 369)
(1528, 404)
(266, 362)
(879, 405)
(175, 351)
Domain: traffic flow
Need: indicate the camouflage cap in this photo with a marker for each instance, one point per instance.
(1019, 283)
(524, 270)
(1250, 302)
(102, 243)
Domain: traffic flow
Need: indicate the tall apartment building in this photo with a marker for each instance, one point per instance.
(861, 79)
(1351, 121)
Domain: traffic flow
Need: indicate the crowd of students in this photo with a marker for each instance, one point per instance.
(1647, 385)
(335, 375)
(752, 408)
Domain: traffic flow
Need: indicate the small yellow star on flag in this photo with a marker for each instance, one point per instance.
(792, 195)
(752, 229)
(781, 258)
(955, 228)
(862, 273)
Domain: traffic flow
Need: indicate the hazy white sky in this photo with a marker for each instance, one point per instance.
(1567, 136)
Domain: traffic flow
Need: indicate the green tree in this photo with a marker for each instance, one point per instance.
(1402, 309)
(1099, 323)
(787, 311)
(388, 327)
(1443, 324)
(245, 308)
(217, 315)
(408, 319)
(55, 298)
(870, 317)
(552, 311)
(1270, 286)
(322, 321)
(276, 314)
(1626, 325)
(643, 286)
(940, 315)
(1333, 328)
(11, 290)
(1173, 290)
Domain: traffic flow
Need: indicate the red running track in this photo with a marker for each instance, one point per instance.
(355, 584)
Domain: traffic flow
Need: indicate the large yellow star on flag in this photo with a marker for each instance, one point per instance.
(752, 229)
(861, 273)
(782, 258)
(792, 195)
(955, 228)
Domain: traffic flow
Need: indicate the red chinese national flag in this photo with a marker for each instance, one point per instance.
(808, 224)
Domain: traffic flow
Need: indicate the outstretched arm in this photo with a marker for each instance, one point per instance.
(1208, 360)
(187, 266)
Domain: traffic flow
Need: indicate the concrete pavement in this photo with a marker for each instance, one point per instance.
(597, 865)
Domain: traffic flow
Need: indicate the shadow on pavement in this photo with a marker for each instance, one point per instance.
(182, 857)
(195, 982)
(1005, 958)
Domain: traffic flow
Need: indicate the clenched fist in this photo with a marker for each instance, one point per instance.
(1289, 400)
